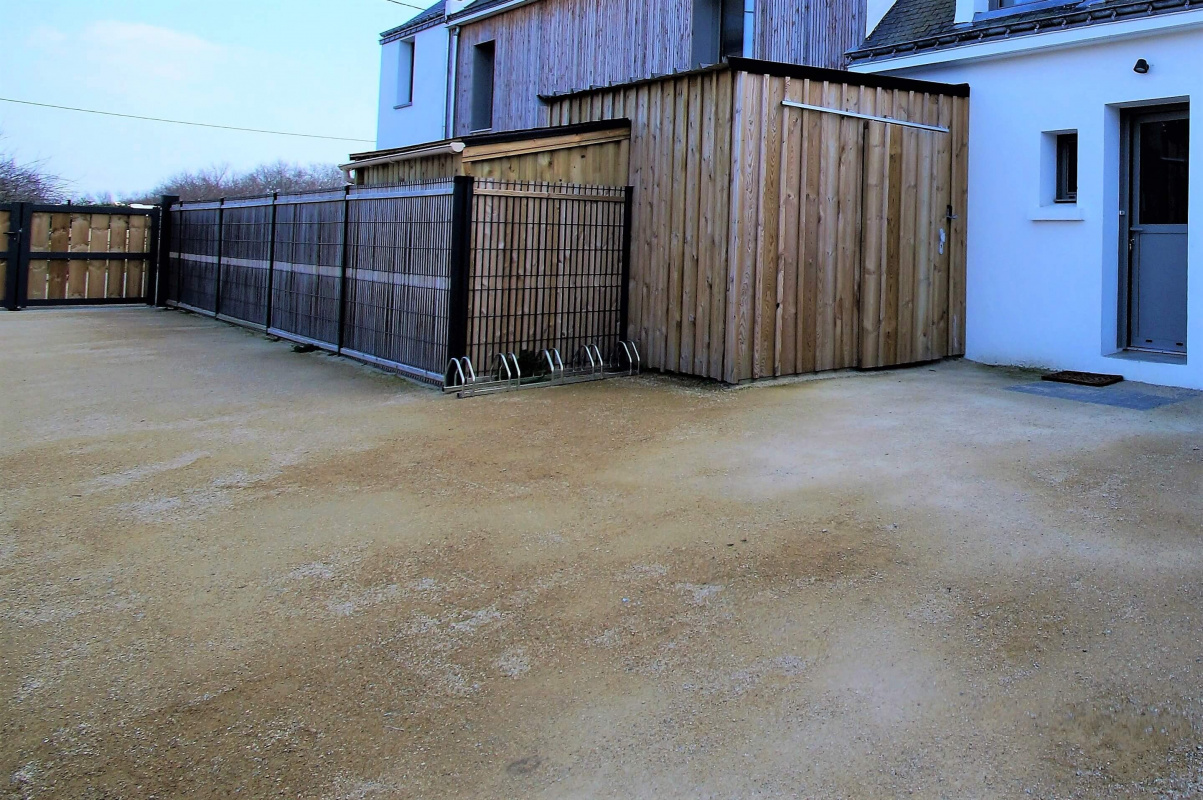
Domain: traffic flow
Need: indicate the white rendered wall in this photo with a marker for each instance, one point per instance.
(1044, 293)
(424, 119)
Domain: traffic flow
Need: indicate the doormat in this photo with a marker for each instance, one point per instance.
(1082, 378)
(1135, 396)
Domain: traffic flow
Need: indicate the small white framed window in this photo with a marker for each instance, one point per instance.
(1058, 169)
(405, 73)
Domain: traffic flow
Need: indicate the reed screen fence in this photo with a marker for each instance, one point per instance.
(408, 277)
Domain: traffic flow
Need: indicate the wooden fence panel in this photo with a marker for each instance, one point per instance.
(826, 243)
(55, 273)
(59, 271)
(39, 269)
(681, 167)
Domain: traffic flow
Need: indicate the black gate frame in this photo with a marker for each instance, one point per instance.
(16, 292)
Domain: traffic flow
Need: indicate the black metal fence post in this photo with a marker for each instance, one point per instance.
(162, 245)
(271, 262)
(22, 293)
(13, 247)
(460, 259)
(624, 296)
(342, 269)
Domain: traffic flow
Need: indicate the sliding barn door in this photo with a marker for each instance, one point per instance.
(908, 238)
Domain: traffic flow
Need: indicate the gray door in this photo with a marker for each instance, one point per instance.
(1158, 146)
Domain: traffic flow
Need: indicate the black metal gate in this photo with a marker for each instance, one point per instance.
(78, 255)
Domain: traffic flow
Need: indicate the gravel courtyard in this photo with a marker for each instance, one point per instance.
(232, 570)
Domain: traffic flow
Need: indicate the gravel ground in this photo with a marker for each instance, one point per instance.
(232, 570)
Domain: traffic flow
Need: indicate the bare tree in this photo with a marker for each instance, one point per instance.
(29, 183)
(219, 180)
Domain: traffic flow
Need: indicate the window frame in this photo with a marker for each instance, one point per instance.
(405, 77)
(1065, 191)
(482, 53)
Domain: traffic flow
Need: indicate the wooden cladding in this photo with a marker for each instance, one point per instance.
(812, 32)
(562, 45)
(415, 170)
(81, 244)
(600, 158)
(559, 46)
(771, 240)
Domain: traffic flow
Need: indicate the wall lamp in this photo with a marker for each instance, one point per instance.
(1142, 67)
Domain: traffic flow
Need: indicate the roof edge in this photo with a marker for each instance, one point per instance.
(500, 137)
(1027, 26)
(871, 80)
(546, 133)
(782, 69)
(557, 96)
(416, 24)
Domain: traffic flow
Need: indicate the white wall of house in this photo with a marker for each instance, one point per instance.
(1043, 280)
(423, 118)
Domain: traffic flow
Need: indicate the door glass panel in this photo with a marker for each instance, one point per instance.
(1163, 171)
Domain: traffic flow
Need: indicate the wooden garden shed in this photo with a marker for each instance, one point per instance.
(596, 153)
(790, 219)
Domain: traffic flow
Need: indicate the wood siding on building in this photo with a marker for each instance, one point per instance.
(816, 33)
(771, 240)
(558, 46)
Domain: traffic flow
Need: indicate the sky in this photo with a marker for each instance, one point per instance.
(306, 66)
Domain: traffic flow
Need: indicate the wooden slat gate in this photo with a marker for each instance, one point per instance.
(77, 255)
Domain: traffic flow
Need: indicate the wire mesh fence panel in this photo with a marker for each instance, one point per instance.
(307, 271)
(400, 276)
(246, 262)
(546, 268)
(195, 247)
(398, 268)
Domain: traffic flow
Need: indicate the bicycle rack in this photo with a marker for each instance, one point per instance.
(588, 364)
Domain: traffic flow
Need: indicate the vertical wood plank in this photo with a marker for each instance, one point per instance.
(679, 193)
(788, 262)
(692, 190)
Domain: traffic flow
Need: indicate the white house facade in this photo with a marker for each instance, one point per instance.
(1085, 218)
(414, 72)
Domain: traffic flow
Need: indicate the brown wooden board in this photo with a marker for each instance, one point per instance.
(818, 235)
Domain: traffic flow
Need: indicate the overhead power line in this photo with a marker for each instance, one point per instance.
(183, 122)
(408, 5)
